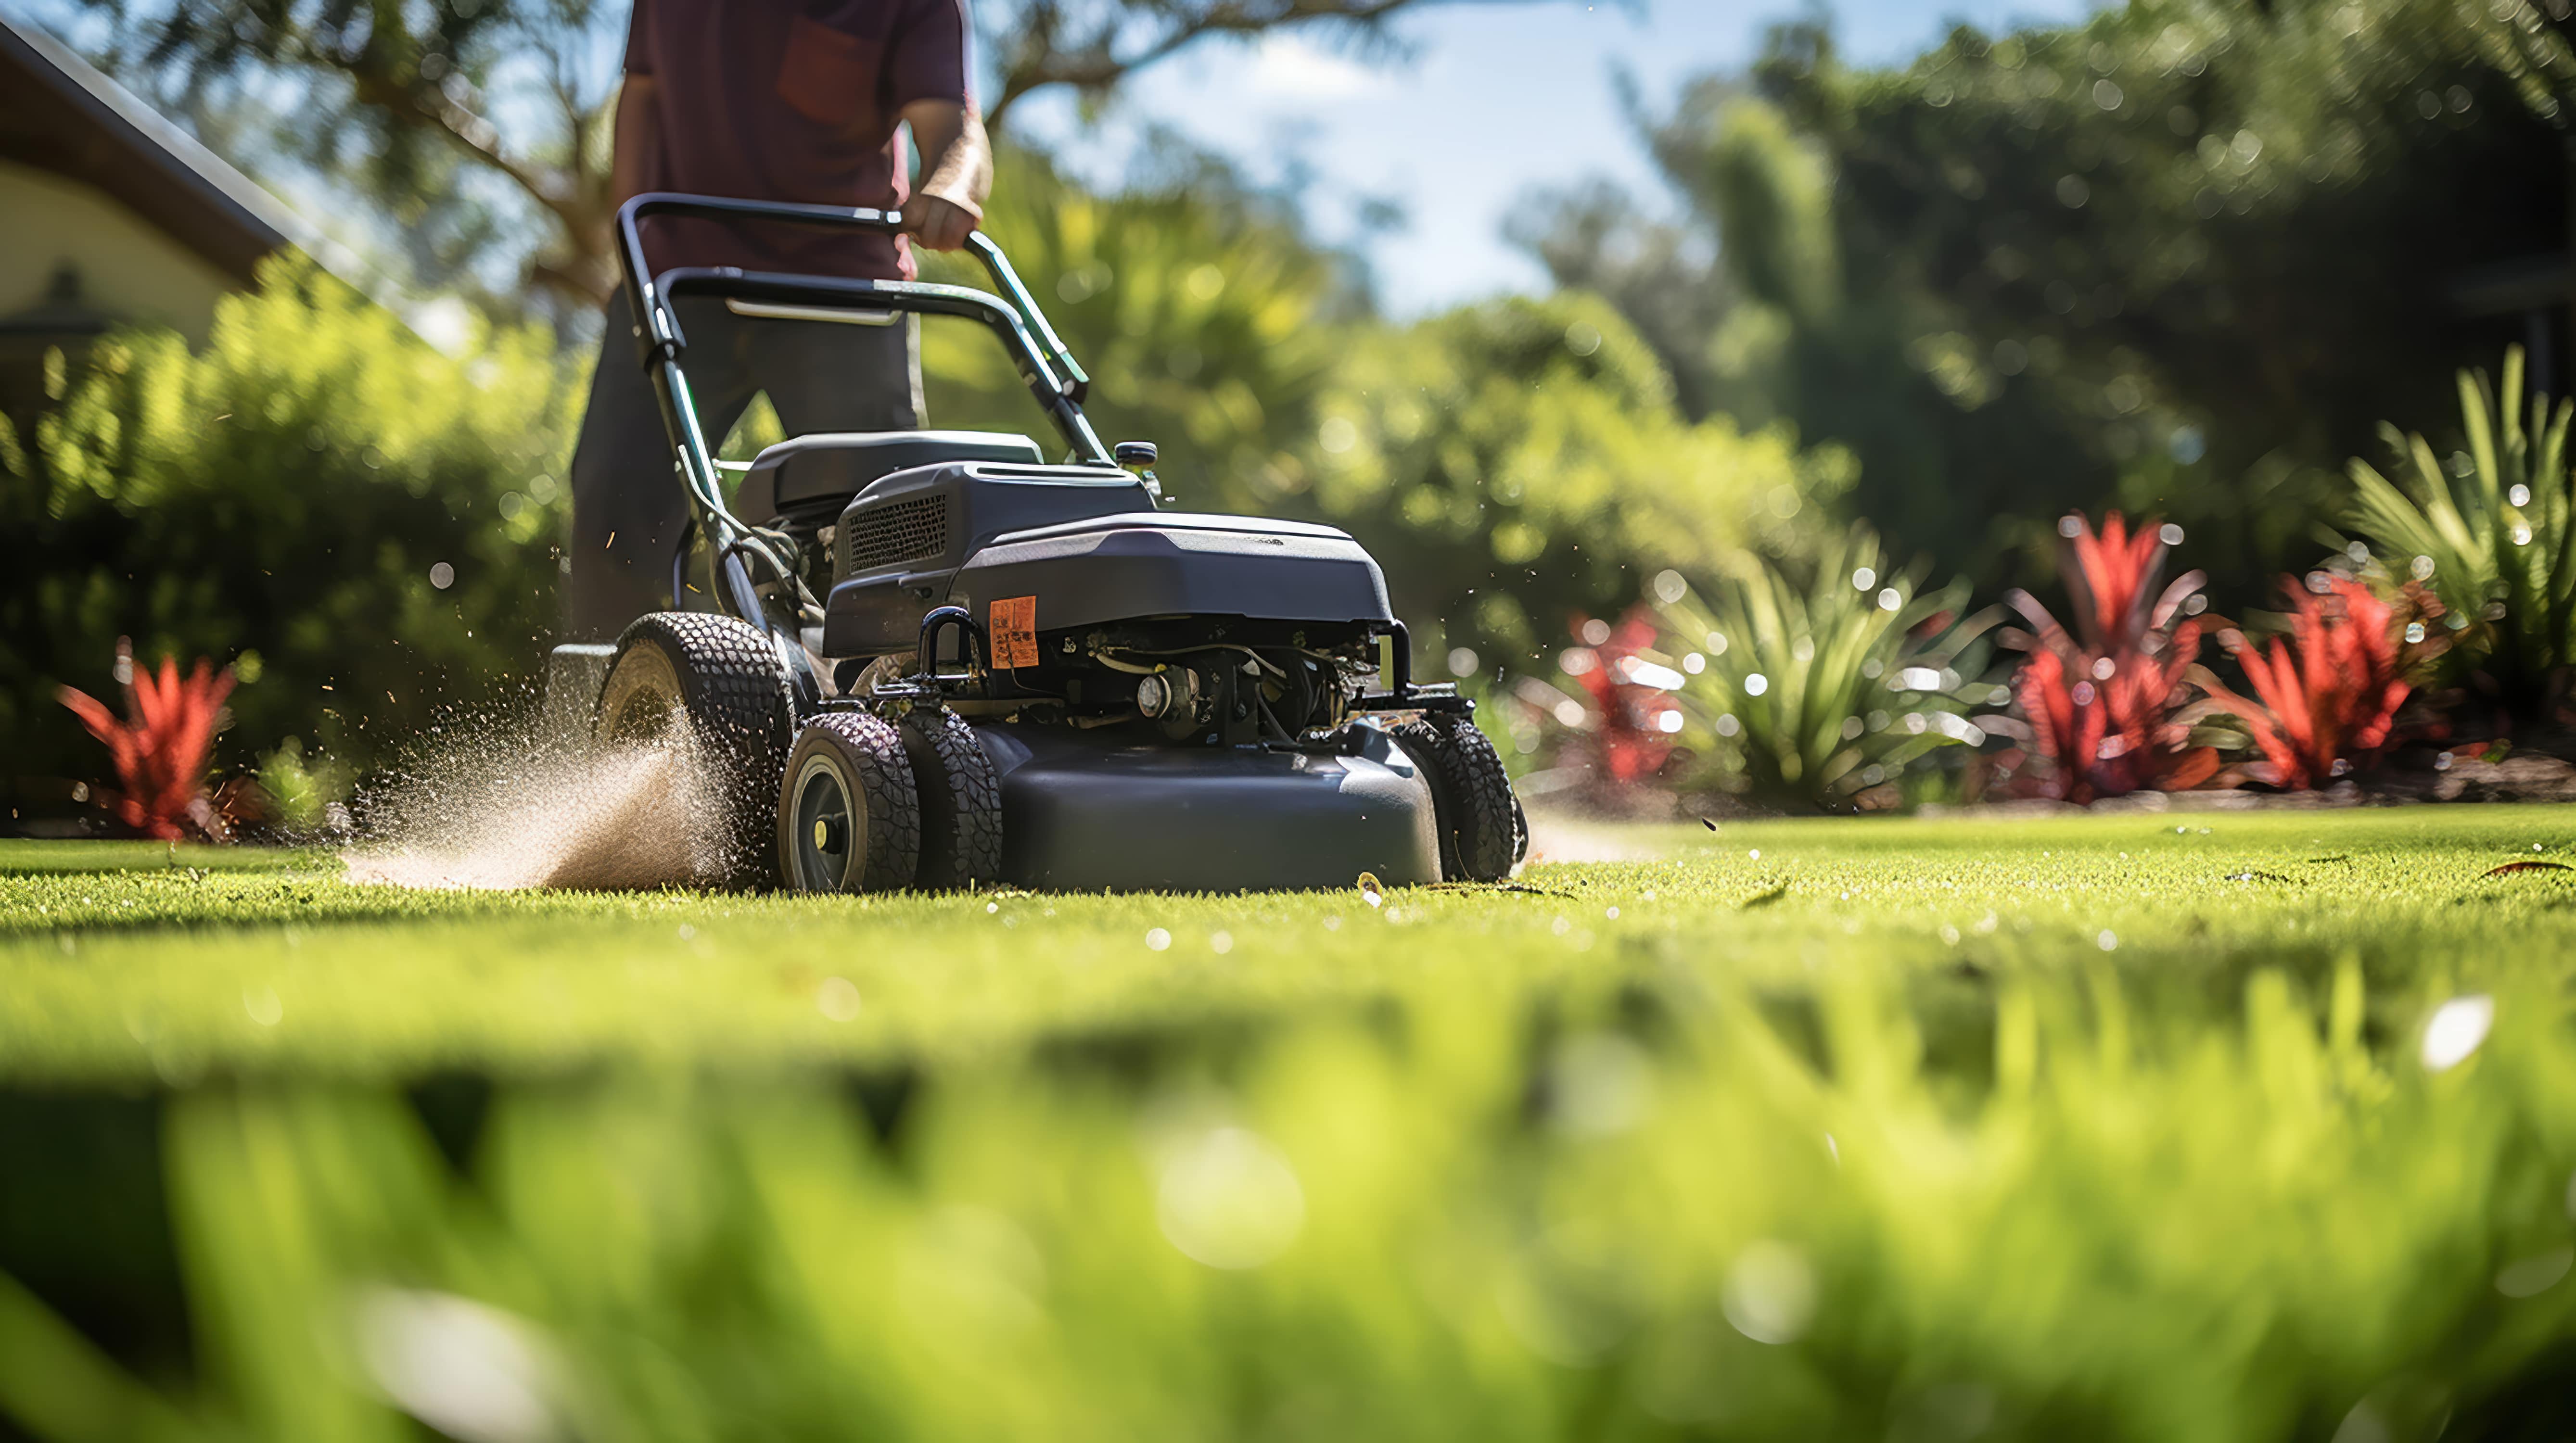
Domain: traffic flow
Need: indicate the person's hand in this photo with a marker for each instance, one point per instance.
(938, 222)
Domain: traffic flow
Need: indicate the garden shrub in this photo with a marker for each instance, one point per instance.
(1516, 463)
(365, 528)
(2487, 544)
(1816, 684)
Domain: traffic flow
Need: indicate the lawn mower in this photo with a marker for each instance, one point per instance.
(935, 659)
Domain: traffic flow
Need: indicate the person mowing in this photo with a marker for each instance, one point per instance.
(785, 100)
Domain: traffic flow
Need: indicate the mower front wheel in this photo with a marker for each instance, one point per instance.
(1482, 834)
(961, 801)
(715, 684)
(849, 818)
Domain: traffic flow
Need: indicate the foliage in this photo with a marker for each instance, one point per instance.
(2327, 695)
(1517, 463)
(365, 526)
(162, 748)
(1199, 309)
(1630, 718)
(482, 129)
(1819, 690)
(2491, 537)
(1734, 1169)
(2105, 713)
(1094, 47)
(2111, 262)
(479, 128)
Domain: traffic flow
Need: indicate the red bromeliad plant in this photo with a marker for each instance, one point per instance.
(2105, 711)
(2325, 697)
(1630, 692)
(163, 746)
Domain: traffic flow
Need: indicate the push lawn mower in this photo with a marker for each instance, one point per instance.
(935, 660)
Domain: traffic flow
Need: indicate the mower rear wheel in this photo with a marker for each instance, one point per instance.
(723, 677)
(849, 819)
(961, 801)
(1478, 818)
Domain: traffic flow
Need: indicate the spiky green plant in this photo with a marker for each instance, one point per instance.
(1820, 687)
(2492, 540)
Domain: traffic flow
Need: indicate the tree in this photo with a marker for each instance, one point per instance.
(484, 125)
(2179, 258)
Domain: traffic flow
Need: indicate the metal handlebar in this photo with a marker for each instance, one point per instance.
(1072, 381)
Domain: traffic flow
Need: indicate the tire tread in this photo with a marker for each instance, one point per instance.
(961, 801)
(1482, 835)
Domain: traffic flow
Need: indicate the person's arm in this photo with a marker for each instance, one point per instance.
(635, 137)
(956, 173)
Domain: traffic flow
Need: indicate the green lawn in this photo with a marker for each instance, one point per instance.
(131, 962)
(2156, 1126)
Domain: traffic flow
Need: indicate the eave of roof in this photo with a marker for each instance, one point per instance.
(191, 192)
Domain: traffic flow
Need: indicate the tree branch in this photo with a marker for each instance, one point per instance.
(1095, 64)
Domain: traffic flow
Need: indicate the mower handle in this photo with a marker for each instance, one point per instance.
(642, 291)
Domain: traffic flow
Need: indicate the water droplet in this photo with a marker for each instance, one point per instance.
(1221, 943)
(2534, 1275)
(1770, 1293)
(1372, 891)
(2414, 632)
(838, 998)
(1228, 1199)
(1157, 938)
(2421, 568)
(2108, 941)
(2520, 495)
(2457, 1028)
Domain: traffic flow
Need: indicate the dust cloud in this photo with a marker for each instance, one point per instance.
(504, 808)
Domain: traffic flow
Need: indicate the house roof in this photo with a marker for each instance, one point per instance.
(57, 113)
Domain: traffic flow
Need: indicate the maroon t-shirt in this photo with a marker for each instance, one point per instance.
(789, 100)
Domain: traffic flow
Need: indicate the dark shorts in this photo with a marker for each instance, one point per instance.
(627, 513)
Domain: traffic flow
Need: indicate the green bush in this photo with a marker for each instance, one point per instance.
(1519, 462)
(2491, 536)
(1818, 690)
(365, 528)
(1201, 314)
(1510, 464)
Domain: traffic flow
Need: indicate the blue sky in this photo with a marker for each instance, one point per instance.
(1488, 102)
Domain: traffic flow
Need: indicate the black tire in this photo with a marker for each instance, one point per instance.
(1471, 795)
(722, 674)
(961, 801)
(848, 817)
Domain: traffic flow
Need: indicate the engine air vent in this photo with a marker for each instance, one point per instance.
(913, 530)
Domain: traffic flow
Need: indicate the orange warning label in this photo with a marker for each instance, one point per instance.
(1014, 628)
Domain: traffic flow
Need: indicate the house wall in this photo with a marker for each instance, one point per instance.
(128, 267)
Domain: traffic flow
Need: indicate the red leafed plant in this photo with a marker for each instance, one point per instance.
(162, 747)
(1629, 692)
(2326, 696)
(2104, 711)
